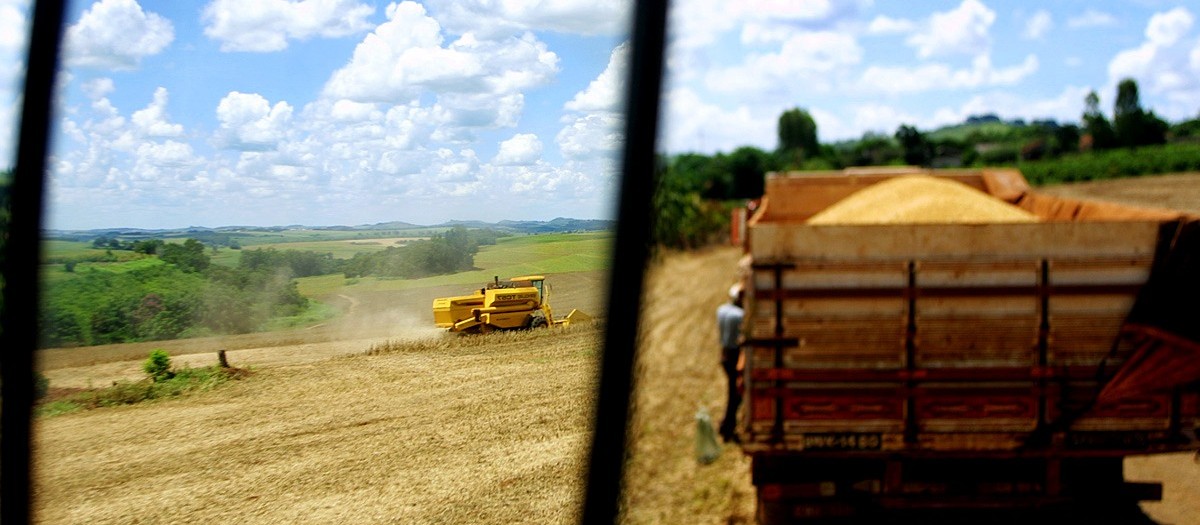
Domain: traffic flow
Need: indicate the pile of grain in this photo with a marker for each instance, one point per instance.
(913, 199)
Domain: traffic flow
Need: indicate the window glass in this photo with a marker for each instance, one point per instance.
(255, 209)
(762, 86)
(14, 28)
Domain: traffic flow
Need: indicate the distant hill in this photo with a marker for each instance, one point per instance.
(558, 224)
(393, 225)
(223, 235)
(982, 130)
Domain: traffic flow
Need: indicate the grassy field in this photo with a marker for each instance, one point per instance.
(544, 253)
(343, 244)
(340, 248)
(300, 236)
(71, 250)
(509, 257)
(578, 254)
(52, 273)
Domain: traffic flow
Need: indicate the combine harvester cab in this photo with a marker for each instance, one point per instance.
(518, 303)
(930, 365)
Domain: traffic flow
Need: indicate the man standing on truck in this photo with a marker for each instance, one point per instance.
(729, 324)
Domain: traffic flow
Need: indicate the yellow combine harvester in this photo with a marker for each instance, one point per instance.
(518, 303)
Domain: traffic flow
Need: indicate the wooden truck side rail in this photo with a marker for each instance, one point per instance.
(901, 346)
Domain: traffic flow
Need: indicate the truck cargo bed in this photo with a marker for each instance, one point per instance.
(993, 339)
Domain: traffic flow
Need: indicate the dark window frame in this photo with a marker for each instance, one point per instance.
(22, 255)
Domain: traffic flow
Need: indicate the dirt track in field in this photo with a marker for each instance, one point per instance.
(439, 430)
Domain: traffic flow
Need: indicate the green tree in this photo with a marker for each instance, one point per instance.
(1188, 129)
(149, 246)
(873, 149)
(1132, 124)
(1095, 125)
(797, 136)
(189, 256)
(706, 175)
(917, 150)
(748, 166)
(680, 218)
(1066, 138)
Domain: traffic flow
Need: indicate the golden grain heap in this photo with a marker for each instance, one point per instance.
(913, 199)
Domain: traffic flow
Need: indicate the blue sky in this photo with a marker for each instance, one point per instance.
(326, 112)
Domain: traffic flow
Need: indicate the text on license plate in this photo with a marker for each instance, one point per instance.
(843, 441)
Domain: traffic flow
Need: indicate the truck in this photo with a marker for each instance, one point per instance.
(518, 303)
(918, 366)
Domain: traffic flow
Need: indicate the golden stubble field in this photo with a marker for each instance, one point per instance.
(434, 429)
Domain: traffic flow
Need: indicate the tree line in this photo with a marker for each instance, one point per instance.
(696, 192)
(449, 252)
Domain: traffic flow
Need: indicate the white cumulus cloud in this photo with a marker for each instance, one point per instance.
(167, 154)
(1038, 25)
(249, 122)
(591, 136)
(962, 30)
(811, 55)
(1165, 29)
(14, 33)
(151, 121)
(490, 18)
(886, 25)
(928, 77)
(699, 125)
(350, 111)
(405, 56)
(116, 34)
(522, 149)
(1165, 65)
(268, 25)
(593, 125)
(697, 24)
(475, 83)
(14, 36)
(607, 91)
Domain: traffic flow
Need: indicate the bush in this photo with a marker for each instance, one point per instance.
(158, 366)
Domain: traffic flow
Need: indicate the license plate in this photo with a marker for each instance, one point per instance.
(843, 441)
(1100, 440)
